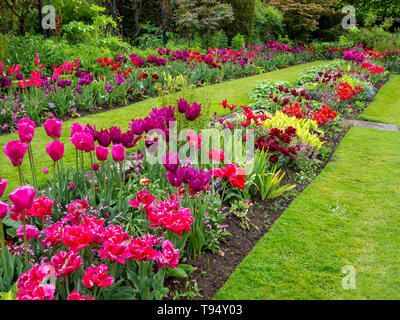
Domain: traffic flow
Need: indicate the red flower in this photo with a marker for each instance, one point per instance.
(97, 276)
(42, 207)
(66, 263)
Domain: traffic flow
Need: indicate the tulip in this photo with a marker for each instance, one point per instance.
(193, 112)
(3, 186)
(77, 127)
(83, 141)
(31, 232)
(103, 138)
(183, 105)
(4, 207)
(55, 150)
(53, 128)
(95, 167)
(102, 153)
(137, 126)
(216, 155)
(26, 130)
(71, 186)
(115, 135)
(171, 161)
(22, 199)
(118, 152)
(15, 151)
(45, 170)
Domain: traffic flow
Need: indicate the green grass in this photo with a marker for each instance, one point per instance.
(349, 215)
(235, 91)
(386, 106)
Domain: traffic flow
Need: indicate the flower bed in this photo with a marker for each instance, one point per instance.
(121, 236)
(68, 91)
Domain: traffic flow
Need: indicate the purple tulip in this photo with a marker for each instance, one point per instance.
(103, 138)
(137, 126)
(171, 161)
(115, 135)
(175, 178)
(198, 180)
(193, 111)
(182, 105)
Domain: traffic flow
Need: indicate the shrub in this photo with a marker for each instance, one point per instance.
(219, 40)
(238, 41)
(268, 23)
(243, 18)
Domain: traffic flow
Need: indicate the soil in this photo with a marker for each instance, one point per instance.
(213, 270)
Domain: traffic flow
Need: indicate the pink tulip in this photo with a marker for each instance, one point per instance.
(26, 130)
(71, 186)
(22, 198)
(217, 155)
(118, 152)
(45, 170)
(15, 151)
(31, 232)
(77, 127)
(4, 207)
(83, 141)
(53, 128)
(3, 186)
(55, 150)
(102, 153)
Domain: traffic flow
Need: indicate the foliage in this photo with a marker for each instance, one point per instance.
(238, 41)
(263, 89)
(301, 16)
(243, 23)
(305, 128)
(219, 40)
(268, 23)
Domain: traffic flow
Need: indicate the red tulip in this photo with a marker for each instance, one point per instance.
(53, 128)
(55, 150)
(26, 130)
(83, 141)
(15, 151)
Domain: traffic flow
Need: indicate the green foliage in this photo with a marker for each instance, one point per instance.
(376, 38)
(76, 10)
(268, 23)
(238, 41)
(263, 89)
(305, 128)
(380, 8)
(220, 40)
(243, 22)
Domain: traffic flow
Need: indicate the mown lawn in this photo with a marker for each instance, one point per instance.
(236, 91)
(386, 106)
(349, 216)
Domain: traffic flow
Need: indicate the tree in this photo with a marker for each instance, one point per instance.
(244, 11)
(20, 10)
(301, 16)
(204, 16)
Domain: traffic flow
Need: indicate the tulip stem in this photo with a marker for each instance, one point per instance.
(3, 247)
(54, 180)
(93, 175)
(25, 242)
(32, 164)
(21, 176)
(83, 170)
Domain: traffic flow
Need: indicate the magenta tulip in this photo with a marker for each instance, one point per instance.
(26, 130)
(71, 186)
(45, 170)
(102, 153)
(55, 150)
(53, 128)
(4, 207)
(77, 127)
(22, 198)
(118, 152)
(31, 232)
(83, 141)
(95, 167)
(15, 151)
(3, 186)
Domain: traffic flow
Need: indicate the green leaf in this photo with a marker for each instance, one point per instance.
(177, 273)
